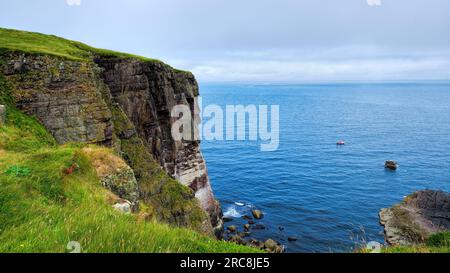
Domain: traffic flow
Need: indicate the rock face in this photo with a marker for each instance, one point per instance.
(416, 217)
(63, 95)
(123, 103)
(147, 92)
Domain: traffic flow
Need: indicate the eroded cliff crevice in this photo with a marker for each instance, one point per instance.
(123, 103)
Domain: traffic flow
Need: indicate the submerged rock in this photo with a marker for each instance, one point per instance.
(243, 234)
(390, 164)
(259, 227)
(227, 219)
(416, 217)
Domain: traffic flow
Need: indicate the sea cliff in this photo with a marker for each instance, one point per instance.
(85, 95)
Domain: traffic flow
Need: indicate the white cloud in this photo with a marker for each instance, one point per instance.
(374, 2)
(302, 70)
(73, 2)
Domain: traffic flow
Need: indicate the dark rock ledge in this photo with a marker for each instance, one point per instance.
(417, 217)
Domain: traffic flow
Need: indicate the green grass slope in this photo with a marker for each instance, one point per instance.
(37, 43)
(42, 208)
(436, 243)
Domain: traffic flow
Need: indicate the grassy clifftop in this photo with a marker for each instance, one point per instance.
(37, 43)
(42, 208)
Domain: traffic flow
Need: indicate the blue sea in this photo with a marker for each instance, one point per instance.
(328, 196)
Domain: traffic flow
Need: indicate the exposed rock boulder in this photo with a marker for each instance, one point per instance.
(247, 227)
(256, 243)
(124, 207)
(270, 244)
(273, 247)
(391, 165)
(238, 240)
(232, 229)
(416, 217)
(257, 214)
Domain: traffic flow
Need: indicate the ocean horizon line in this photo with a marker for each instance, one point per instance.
(297, 83)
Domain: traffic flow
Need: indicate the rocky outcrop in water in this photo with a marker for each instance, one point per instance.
(416, 217)
(123, 103)
(391, 165)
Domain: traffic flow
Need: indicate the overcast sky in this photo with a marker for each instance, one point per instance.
(258, 40)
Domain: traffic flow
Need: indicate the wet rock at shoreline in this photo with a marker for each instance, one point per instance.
(273, 247)
(416, 217)
(256, 243)
(269, 245)
(243, 234)
(247, 227)
(232, 229)
(238, 240)
(257, 214)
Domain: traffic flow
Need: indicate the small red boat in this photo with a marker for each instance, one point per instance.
(340, 143)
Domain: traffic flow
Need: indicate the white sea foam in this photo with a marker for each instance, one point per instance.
(232, 212)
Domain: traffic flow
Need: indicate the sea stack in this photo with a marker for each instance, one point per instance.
(391, 165)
